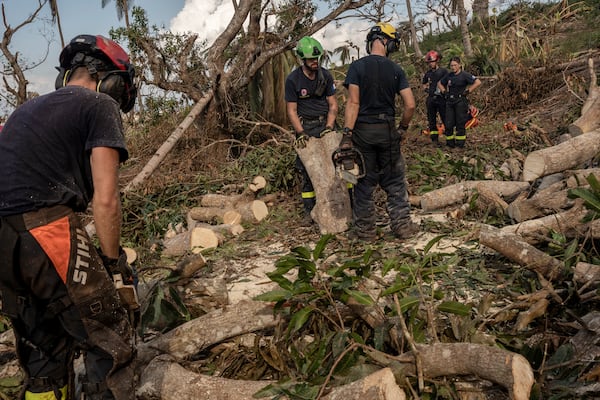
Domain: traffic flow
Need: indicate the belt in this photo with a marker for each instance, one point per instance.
(33, 219)
(455, 96)
(322, 118)
(382, 116)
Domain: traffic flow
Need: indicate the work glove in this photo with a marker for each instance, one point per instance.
(346, 142)
(402, 132)
(301, 140)
(125, 280)
(325, 131)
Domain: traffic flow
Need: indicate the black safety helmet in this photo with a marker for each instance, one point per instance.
(99, 54)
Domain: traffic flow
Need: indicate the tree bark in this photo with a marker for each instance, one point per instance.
(569, 154)
(198, 334)
(332, 211)
(457, 193)
(516, 249)
(550, 200)
(590, 112)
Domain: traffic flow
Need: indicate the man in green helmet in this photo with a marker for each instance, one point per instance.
(311, 107)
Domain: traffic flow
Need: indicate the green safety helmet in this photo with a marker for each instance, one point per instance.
(308, 47)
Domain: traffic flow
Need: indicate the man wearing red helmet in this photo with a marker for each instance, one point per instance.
(435, 102)
(59, 152)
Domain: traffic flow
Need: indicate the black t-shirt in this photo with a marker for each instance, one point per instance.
(301, 90)
(45, 149)
(432, 77)
(457, 83)
(379, 80)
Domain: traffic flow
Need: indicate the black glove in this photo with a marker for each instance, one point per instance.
(125, 279)
(402, 132)
(301, 140)
(326, 131)
(346, 142)
(466, 92)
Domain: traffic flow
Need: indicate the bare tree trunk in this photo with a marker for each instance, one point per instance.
(464, 27)
(481, 10)
(413, 31)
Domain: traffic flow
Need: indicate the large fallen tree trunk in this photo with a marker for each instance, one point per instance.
(196, 335)
(590, 112)
(459, 192)
(568, 223)
(165, 379)
(566, 155)
(516, 249)
(332, 211)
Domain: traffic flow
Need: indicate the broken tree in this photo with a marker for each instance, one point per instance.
(332, 211)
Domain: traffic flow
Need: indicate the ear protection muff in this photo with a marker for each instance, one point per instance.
(391, 45)
(62, 78)
(116, 86)
(113, 85)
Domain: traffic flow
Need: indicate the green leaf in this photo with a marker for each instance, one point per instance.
(592, 200)
(432, 242)
(454, 307)
(320, 247)
(274, 295)
(408, 302)
(302, 251)
(299, 318)
(360, 297)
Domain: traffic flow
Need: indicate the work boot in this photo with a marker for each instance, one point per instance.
(367, 237)
(407, 231)
(306, 221)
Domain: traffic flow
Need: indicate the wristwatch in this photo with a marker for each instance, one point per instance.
(347, 131)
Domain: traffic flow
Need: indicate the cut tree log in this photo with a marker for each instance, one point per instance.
(332, 211)
(590, 111)
(459, 192)
(516, 249)
(164, 379)
(202, 332)
(568, 223)
(204, 238)
(572, 153)
(253, 211)
(209, 236)
(231, 201)
(550, 200)
(508, 369)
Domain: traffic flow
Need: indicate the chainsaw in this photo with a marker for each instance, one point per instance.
(349, 162)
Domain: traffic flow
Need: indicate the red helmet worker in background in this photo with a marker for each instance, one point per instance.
(435, 102)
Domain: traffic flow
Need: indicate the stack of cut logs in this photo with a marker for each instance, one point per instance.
(217, 217)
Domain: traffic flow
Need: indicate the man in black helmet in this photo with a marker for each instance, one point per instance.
(59, 152)
(370, 124)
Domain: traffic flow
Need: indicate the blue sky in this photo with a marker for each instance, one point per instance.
(77, 17)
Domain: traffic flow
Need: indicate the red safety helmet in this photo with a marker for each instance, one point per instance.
(432, 55)
(98, 53)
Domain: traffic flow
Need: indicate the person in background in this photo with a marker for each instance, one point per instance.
(311, 108)
(435, 103)
(58, 153)
(455, 87)
(373, 82)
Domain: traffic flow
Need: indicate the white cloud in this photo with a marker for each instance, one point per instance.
(208, 18)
